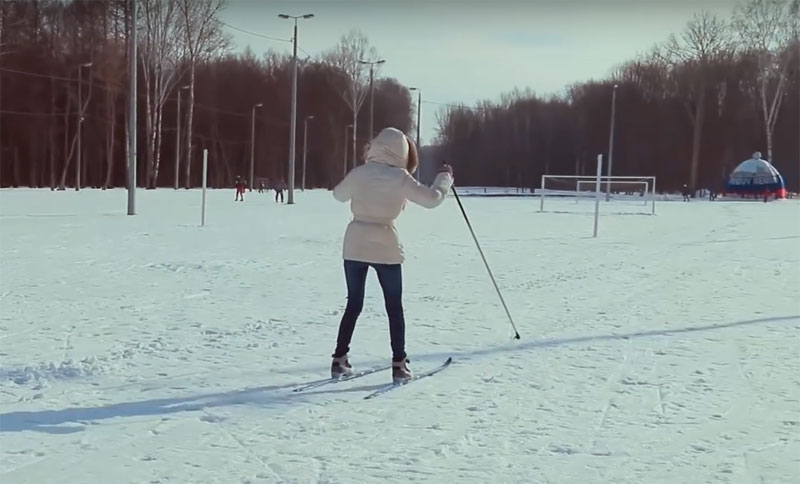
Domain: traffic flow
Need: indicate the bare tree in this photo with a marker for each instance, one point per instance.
(692, 57)
(160, 56)
(202, 37)
(352, 47)
(764, 28)
(111, 69)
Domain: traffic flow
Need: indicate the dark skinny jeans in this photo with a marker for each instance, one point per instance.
(390, 277)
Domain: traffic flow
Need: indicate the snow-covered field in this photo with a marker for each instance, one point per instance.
(147, 349)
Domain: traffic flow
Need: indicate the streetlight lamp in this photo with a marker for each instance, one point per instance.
(611, 142)
(371, 64)
(178, 137)
(305, 149)
(293, 127)
(346, 129)
(80, 122)
(253, 140)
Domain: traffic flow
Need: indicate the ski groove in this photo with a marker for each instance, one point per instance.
(418, 376)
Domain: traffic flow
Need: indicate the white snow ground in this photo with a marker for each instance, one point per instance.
(149, 350)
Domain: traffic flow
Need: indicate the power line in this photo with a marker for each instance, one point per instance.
(306, 53)
(104, 87)
(32, 113)
(34, 74)
(254, 33)
(457, 106)
(239, 114)
(220, 140)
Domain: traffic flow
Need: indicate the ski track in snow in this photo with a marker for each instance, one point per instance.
(148, 349)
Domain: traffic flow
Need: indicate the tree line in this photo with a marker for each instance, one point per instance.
(64, 95)
(688, 111)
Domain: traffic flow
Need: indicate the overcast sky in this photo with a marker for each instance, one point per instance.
(463, 51)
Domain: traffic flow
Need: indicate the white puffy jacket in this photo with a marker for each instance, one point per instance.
(377, 191)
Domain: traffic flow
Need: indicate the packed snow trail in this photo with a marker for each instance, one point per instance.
(148, 349)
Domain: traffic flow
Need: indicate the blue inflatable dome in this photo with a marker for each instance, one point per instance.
(756, 177)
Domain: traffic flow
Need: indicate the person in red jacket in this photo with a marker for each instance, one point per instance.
(241, 185)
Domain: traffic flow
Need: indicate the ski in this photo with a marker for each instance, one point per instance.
(352, 376)
(416, 377)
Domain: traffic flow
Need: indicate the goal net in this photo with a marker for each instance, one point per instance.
(622, 194)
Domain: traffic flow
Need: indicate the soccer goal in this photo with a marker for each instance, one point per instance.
(627, 194)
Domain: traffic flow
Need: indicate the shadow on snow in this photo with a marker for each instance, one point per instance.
(51, 421)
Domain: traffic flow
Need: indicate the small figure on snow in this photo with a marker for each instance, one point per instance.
(261, 186)
(377, 192)
(686, 192)
(241, 185)
(279, 191)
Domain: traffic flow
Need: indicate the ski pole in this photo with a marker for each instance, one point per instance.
(469, 225)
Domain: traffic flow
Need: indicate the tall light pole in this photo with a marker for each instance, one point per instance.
(178, 137)
(80, 123)
(419, 108)
(253, 141)
(293, 126)
(346, 128)
(611, 141)
(132, 111)
(1, 98)
(419, 111)
(372, 65)
(305, 149)
(795, 10)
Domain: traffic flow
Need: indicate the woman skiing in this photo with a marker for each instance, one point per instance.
(377, 191)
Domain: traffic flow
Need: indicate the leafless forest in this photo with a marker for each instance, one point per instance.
(687, 111)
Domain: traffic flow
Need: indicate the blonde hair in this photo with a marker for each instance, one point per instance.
(413, 156)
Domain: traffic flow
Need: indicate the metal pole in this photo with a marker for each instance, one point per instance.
(419, 148)
(795, 9)
(178, 141)
(252, 143)
(597, 193)
(485, 263)
(293, 126)
(371, 102)
(611, 141)
(80, 122)
(654, 196)
(205, 178)
(355, 128)
(541, 189)
(419, 110)
(346, 142)
(305, 150)
(132, 113)
(1, 122)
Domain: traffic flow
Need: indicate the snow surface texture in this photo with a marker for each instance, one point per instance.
(147, 349)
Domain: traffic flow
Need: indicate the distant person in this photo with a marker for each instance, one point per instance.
(240, 187)
(261, 186)
(686, 193)
(279, 191)
(377, 192)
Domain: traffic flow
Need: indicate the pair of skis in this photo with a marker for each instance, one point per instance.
(380, 391)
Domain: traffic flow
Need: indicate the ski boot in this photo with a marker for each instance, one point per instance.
(401, 372)
(340, 367)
